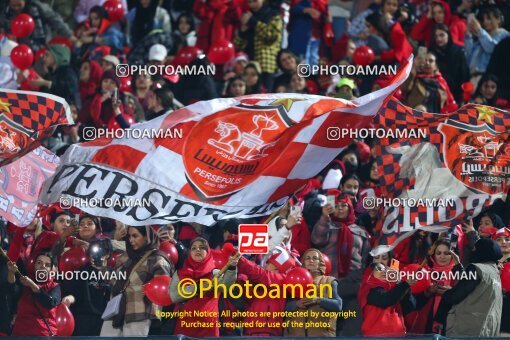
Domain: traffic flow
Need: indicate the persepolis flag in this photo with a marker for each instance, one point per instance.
(21, 182)
(26, 118)
(239, 157)
(460, 167)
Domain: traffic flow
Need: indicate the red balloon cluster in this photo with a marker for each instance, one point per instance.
(327, 262)
(65, 321)
(298, 277)
(156, 290)
(505, 277)
(363, 55)
(22, 25)
(73, 259)
(221, 52)
(22, 56)
(170, 250)
(186, 55)
(114, 9)
(421, 285)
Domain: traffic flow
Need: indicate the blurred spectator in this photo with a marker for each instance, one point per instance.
(482, 39)
(427, 86)
(236, 87)
(60, 78)
(236, 65)
(99, 32)
(91, 74)
(145, 17)
(140, 52)
(298, 84)
(47, 22)
(109, 62)
(157, 54)
(260, 37)
(218, 21)
(451, 60)
(185, 34)
(141, 84)
(287, 62)
(357, 30)
(160, 102)
(439, 13)
(252, 75)
(82, 9)
(193, 88)
(345, 88)
(64, 8)
(487, 92)
(499, 65)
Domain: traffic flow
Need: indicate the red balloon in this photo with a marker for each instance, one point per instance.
(125, 84)
(220, 259)
(22, 25)
(186, 55)
(298, 277)
(170, 250)
(112, 261)
(22, 56)
(388, 56)
(114, 9)
(505, 277)
(327, 261)
(30, 264)
(65, 321)
(156, 290)
(363, 55)
(73, 259)
(421, 285)
(221, 52)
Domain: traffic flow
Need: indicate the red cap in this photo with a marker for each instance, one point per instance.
(282, 259)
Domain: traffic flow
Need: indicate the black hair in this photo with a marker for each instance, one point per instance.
(491, 11)
(100, 11)
(369, 260)
(348, 177)
(485, 78)
(440, 27)
(378, 21)
(231, 81)
(191, 21)
(141, 229)
(56, 214)
(285, 51)
(95, 219)
(497, 222)
(53, 260)
(165, 97)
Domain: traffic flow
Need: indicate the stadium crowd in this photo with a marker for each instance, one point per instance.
(460, 50)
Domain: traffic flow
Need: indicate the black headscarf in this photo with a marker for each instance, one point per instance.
(486, 250)
(144, 21)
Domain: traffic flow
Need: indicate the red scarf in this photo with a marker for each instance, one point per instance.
(345, 239)
(196, 270)
(372, 282)
(89, 87)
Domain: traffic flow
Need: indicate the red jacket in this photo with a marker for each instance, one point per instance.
(258, 275)
(301, 237)
(29, 320)
(422, 31)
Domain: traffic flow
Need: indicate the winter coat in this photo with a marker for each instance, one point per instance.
(161, 21)
(44, 19)
(479, 49)
(302, 27)
(498, 64)
(138, 306)
(263, 38)
(430, 90)
(422, 31)
(33, 308)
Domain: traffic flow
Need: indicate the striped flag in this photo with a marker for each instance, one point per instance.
(239, 157)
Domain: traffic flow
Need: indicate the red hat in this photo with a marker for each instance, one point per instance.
(282, 259)
(503, 232)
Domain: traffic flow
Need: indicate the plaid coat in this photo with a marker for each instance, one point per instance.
(138, 306)
(265, 38)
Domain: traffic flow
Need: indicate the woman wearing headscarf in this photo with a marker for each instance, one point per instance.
(474, 306)
(502, 237)
(450, 59)
(141, 262)
(384, 304)
(347, 245)
(106, 110)
(441, 262)
(439, 13)
(99, 31)
(145, 17)
(200, 265)
(313, 261)
(91, 74)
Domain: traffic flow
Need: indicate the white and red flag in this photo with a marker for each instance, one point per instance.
(238, 157)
